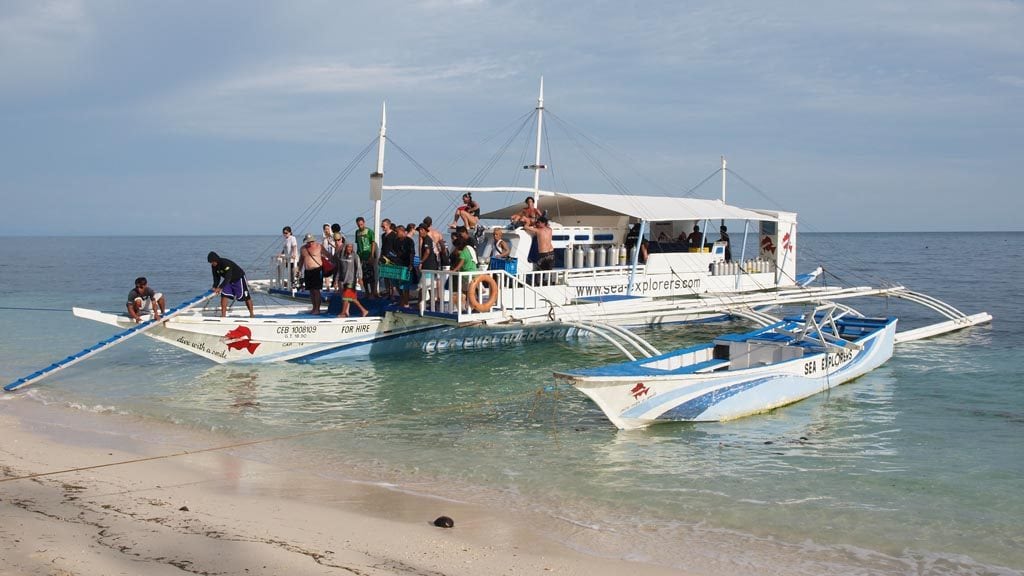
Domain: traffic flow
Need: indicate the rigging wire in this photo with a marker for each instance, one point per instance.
(860, 265)
(303, 220)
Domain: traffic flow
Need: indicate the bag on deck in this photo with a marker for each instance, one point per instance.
(328, 266)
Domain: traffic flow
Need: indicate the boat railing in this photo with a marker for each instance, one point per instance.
(279, 273)
(482, 293)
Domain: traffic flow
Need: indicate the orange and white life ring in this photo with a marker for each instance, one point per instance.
(492, 293)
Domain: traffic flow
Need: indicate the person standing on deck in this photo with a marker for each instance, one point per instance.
(290, 254)
(143, 299)
(366, 249)
(541, 233)
(350, 274)
(724, 237)
(327, 242)
(387, 252)
(695, 239)
(405, 250)
(229, 282)
(312, 260)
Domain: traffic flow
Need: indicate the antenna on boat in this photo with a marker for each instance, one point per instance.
(377, 178)
(537, 166)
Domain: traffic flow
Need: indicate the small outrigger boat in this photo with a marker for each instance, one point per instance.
(740, 374)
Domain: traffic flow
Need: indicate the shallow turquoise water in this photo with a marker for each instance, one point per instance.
(917, 467)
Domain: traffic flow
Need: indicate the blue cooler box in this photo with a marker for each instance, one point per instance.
(507, 264)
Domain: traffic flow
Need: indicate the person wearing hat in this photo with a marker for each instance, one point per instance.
(229, 282)
(311, 257)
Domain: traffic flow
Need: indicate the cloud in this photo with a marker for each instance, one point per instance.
(1014, 81)
(304, 101)
(43, 45)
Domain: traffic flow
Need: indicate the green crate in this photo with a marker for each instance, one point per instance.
(394, 272)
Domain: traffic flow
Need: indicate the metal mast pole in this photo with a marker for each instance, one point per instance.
(377, 178)
(537, 166)
(721, 222)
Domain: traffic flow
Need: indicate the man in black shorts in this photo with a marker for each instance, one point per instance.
(229, 282)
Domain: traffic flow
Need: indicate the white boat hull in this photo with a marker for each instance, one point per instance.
(276, 336)
(638, 400)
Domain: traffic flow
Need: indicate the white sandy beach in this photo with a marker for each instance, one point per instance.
(214, 513)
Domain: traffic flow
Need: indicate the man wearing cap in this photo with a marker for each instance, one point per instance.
(311, 257)
(142, 299)
(229, 282)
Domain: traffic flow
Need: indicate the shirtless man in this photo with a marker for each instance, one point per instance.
(143, 299)
(311, 258)
(545, 249)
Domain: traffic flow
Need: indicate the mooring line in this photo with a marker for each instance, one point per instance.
(354, 425)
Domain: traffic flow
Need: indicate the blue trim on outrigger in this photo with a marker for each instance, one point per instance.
(116, 338)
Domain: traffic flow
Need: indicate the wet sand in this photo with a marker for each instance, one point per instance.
(106, 501)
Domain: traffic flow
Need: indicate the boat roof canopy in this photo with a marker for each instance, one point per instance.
(566, 207)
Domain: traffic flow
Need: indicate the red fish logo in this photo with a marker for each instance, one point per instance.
(787, 244)
(639, 390)
(767, 245)
(240, 339)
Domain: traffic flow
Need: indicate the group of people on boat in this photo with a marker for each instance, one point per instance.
(403, 253)
(329, 262)
(392, 267)
(696, 240)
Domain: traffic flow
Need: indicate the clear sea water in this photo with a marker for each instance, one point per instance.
(915, 468)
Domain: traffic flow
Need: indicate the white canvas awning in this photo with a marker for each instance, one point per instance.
(568, 207)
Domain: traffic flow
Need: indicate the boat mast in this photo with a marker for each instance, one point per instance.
(723, 179)
(537, 166)
(721, 222)
(377, 178)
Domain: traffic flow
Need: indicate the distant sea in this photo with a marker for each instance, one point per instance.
(915, 468)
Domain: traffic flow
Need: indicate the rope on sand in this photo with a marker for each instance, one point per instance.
(352, 426)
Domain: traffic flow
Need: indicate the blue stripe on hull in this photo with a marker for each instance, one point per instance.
(744, 397)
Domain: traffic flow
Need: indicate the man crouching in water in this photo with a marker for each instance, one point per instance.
(229, 282)
(143, 299)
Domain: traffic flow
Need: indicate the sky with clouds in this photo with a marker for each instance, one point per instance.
(149, 117)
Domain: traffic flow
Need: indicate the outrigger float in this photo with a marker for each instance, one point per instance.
(737, 375)
(600, 281)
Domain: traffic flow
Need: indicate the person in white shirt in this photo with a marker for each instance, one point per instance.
(328, 240)
(290, 254)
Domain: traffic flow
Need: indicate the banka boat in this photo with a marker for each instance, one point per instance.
(737, 375)
(615, 264)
